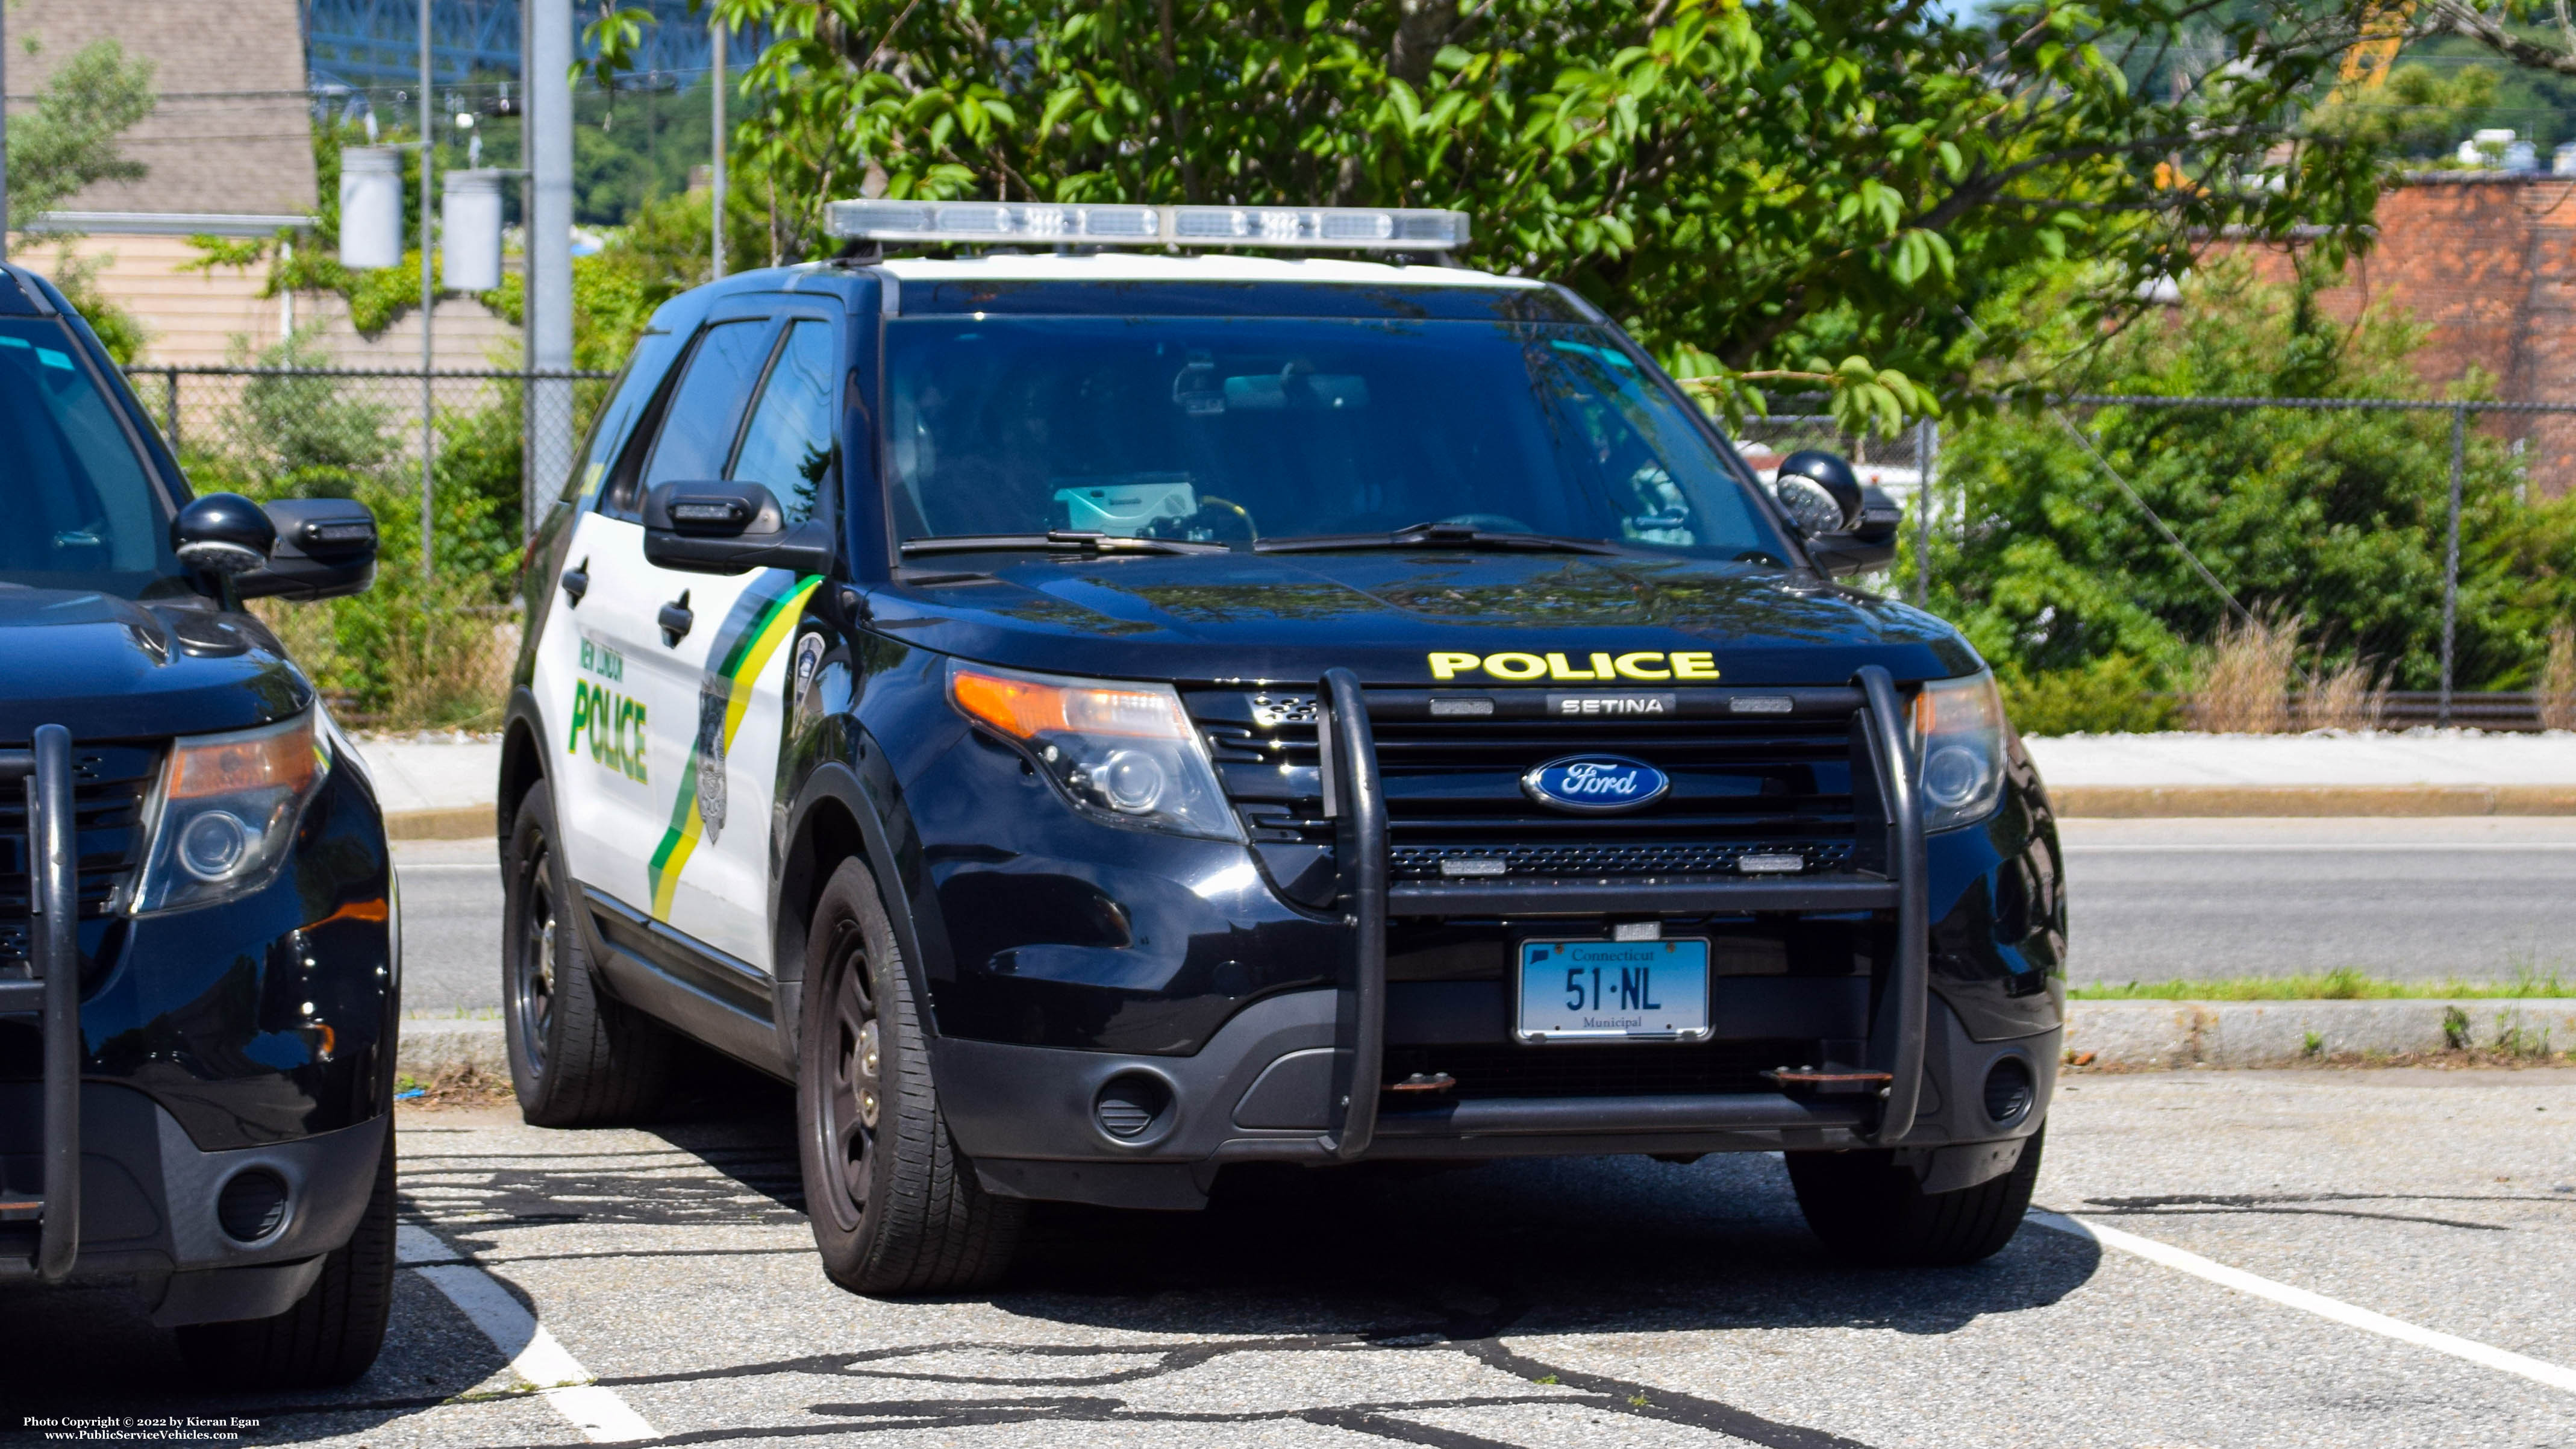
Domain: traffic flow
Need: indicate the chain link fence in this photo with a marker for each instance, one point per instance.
(2241, 563)
(444, 460)
(2126, 562)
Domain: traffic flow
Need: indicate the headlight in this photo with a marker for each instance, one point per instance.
(228, 810)
(1959, 749)
(1124, 753)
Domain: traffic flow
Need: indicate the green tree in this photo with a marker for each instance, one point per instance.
(69, 139)
(1768, 193)
(2333, 517)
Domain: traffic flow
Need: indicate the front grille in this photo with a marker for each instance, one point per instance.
(1436, 862)
(109, 786)
(1588, 1069)
(1774, 782)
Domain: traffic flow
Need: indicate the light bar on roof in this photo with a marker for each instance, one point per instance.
(1298, 228)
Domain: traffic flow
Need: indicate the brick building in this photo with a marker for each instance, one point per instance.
(2486, 261)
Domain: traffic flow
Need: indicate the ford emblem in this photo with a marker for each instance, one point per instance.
(1595, 784)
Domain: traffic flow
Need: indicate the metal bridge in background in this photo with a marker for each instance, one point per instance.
(367, 43)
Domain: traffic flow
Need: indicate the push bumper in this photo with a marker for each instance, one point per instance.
(1277, 1082)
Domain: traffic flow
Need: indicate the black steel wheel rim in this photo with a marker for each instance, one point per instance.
(853, 1070)
(533, 963)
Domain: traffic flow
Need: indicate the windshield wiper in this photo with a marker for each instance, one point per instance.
(1054, 540)
(1438, 535)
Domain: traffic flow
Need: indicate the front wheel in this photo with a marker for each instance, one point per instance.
(1867, 1207)
(577, 1057)
(896, 1208)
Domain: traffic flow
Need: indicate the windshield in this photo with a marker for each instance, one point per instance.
(77, 509)
(1230, 431)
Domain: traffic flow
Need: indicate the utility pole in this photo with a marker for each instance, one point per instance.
(717, 215)
(4, 130)
(428, 308)
(546, 74)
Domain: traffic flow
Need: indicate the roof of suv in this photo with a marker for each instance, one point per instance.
(1128, 266)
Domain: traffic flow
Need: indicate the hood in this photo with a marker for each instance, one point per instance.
(108, 668)
(1291, 616)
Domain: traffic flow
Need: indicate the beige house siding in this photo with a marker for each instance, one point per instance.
(232, 132)
(232, 135)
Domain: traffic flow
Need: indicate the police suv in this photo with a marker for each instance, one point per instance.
(199, 965)
(1092, 707)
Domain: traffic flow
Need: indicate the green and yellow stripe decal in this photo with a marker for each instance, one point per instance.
(759, 622)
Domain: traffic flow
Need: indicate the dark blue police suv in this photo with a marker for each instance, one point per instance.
(198, 963)
(1094, 709)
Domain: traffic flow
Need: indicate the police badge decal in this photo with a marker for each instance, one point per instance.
(712, 702)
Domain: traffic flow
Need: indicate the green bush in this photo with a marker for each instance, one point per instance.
(2113, 694)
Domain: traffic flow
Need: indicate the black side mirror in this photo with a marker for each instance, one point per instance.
(1819, 492)
(728, 528)
(1869, 542)
(326, 548)
(222, 534)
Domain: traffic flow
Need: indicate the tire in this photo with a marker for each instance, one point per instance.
(333, 1332)
(896, 1208)
(577, 1057)
(1867, 1208)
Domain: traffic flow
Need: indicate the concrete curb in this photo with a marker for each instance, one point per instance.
(467, 822)
(2131, 1034)
(2152, 802)
(2160, 1034)
(432, 1047)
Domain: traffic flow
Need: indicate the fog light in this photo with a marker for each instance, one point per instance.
(2009, 1091)
(252, 1207)
(212, 845)
(1131, 1106)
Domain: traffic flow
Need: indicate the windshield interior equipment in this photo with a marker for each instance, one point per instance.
(81, 510)
(1236, 431)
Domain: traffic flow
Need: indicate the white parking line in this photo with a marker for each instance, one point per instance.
(2539, 1371)
(600, 1415)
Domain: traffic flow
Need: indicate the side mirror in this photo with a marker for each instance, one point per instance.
(728, 528)
(223, 534)
(325, 549)
(1869, 542)
(1819, 492)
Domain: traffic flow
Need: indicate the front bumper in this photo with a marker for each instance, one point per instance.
(1276, 1082)
(164, 1054)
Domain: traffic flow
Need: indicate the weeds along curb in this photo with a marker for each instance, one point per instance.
(2135, 1035)
(2120, 1035)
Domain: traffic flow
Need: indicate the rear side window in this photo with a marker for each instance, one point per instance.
(77, 507)
(792, 446)
(706, 413)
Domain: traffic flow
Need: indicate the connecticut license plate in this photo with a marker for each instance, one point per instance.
(1613, 991)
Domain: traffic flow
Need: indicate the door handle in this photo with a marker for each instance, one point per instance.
(676, 620)
(575, 582)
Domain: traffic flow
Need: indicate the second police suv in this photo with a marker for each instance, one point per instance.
(1093, 717)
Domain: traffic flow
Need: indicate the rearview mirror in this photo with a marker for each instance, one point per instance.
(223, 534)
(1818, 491)
(1868, 542)
(325, 549)
(728, 528)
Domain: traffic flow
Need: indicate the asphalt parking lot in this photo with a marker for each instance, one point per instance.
(659, 1282)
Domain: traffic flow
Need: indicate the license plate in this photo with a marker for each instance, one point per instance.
(1613, 991)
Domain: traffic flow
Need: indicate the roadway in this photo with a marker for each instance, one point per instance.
(2149, 900)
